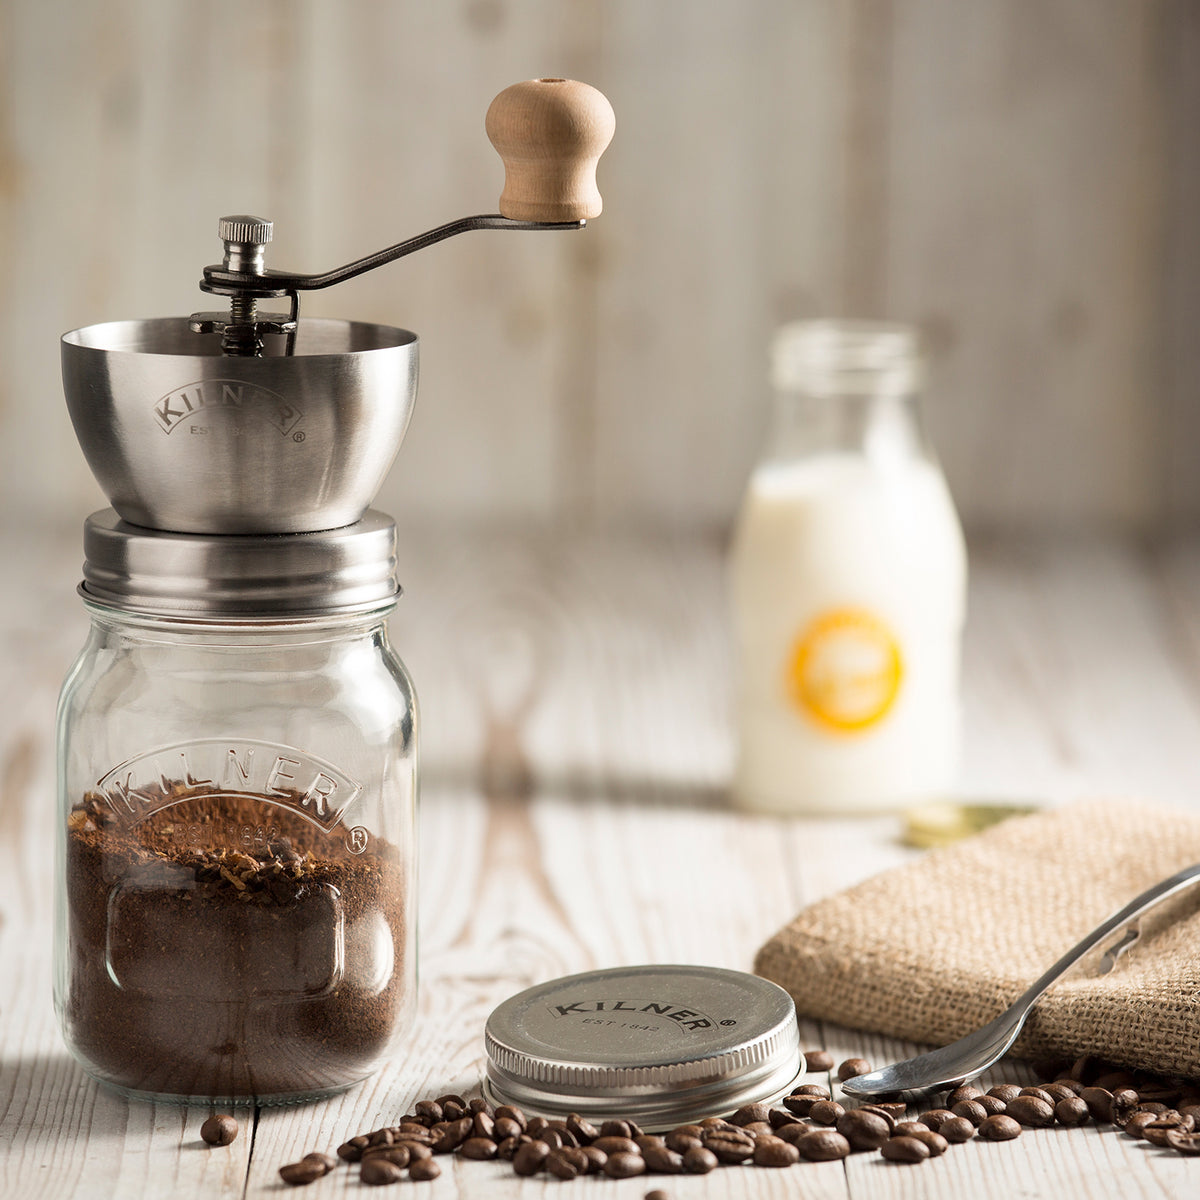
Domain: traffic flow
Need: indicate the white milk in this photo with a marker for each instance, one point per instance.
(848, 578)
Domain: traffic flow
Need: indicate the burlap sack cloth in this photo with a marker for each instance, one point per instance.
(934, 949)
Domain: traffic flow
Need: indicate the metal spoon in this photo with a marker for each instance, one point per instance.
(970, 1056)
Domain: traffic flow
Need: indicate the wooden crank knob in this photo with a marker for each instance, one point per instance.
(550, 134)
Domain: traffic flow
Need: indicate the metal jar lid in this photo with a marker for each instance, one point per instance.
(660, 1045)
(245, 577)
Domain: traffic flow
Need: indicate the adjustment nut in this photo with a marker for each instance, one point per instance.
(245, 230)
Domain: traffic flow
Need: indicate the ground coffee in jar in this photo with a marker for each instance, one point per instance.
(214, 952)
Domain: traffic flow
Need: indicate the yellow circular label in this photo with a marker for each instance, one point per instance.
(845, 670)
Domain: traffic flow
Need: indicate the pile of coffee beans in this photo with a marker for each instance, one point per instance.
(808, 1126)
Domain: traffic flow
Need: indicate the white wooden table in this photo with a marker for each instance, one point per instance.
(576, 753)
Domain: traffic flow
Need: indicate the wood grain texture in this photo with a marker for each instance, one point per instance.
(574, 699)
(1017, 178)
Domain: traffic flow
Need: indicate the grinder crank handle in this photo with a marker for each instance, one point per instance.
(549, 133)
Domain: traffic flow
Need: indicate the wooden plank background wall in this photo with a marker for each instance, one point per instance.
(1019, 176)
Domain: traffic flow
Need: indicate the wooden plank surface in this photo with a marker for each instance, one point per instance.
(574, 816)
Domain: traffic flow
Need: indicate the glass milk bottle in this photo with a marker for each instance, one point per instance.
(848, 585)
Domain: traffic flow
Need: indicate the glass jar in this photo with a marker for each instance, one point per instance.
(848, 581)
(237, 786)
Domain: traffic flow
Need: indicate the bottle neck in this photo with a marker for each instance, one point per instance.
(882, 427)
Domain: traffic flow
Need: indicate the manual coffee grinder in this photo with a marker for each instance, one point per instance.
(237, 739)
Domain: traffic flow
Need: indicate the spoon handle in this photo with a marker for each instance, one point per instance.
(1138, 905)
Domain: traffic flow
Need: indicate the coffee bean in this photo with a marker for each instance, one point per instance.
(1164, 1090)
(1185, 1141)
(749, 1113)
(1155, 1132)
(616, 1129)
(455, 1099)
(505, 1127)
(563, 1165)
(933, 1142)
(852, 1067)
(377, 1171)
(972, 1111)
(1040, 1094)
(780, 1117)
(818, 1060)
(1138, 1122)
(585, 1132)
(884, 1113)
(683, 1137)
(903, 1127)
(731, 1147)
(551, 1137)
(352, 1150)
(507, 1148)
(477, 1105)
(451, 1134)
(657, 1194)
(793, 1133)
(1071, 1110)
(416, 1150)
(1000, 1128)
(219, 1131)
(649, 1141)
(478, 1148)
(394, 1154)
(934, 1117)
(956, 1130)
(904, 1149)
(662, 1161)
(536, 1125)
(512, 1114)
(423, 1170)
(1005, 1091)
(1059, 1091)
(624, 1165)
(760, 1129)
(595, 1160)
(300, 1173)
(716, 1123)
(1031, 1111)
(1151, 1106)
(774, 1152)
(325, 1161)
(1083, 1069)
(812, 1089)
(1073, 1085)
(1124, 1104)
(992, 1105)
(482, 1125)
(611, 1144)
(699, 1161)
(429, 1110)
(1049, 1068)
(801, 1106)
(967, 1091)
(530, 1158)
(826, 1112)
(822, 1145)
(864, 1130)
